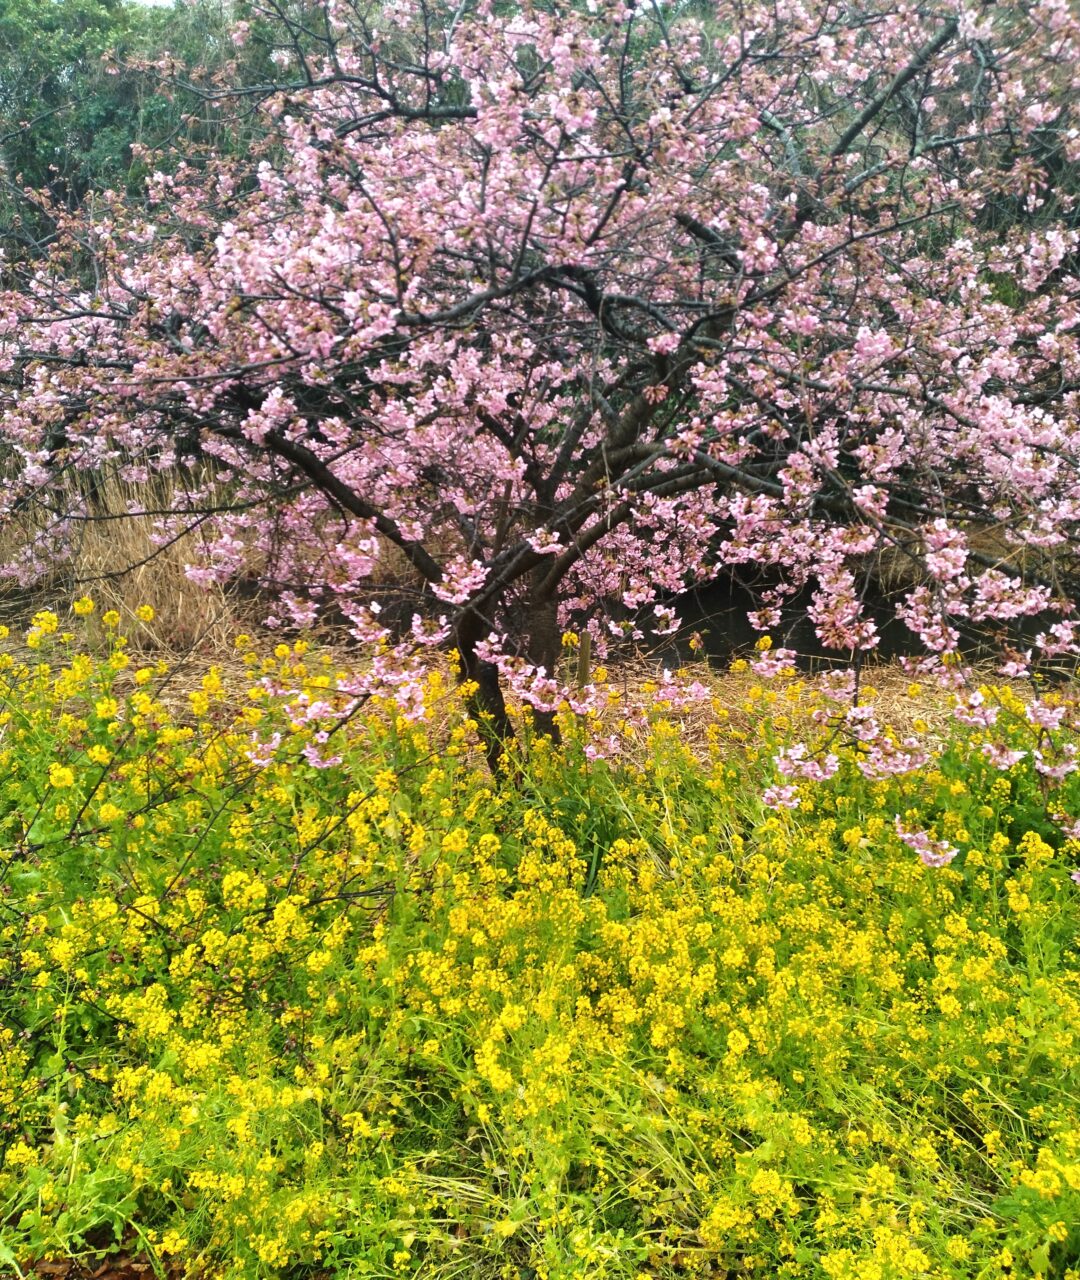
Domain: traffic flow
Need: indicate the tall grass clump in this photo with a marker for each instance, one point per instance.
(290, 993)
(121, 550)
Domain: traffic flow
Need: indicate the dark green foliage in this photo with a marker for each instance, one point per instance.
(86, 84)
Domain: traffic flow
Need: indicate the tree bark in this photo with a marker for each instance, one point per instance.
(487, 704)
(544, 642)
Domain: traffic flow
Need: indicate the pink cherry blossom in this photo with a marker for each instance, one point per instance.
(932, 852)
(551, 316)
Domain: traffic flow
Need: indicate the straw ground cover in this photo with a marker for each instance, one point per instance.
(126, 555)
(286, 991)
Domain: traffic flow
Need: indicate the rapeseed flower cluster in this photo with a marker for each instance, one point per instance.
(266, 1016)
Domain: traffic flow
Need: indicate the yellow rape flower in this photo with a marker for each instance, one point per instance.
(61, 776)
(20, 1156)
(45, 621)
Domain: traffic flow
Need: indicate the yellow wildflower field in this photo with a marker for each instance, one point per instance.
(297, 993)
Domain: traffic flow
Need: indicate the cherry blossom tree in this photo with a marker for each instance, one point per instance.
(567, 306)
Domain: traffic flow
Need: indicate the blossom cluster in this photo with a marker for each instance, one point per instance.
(563, 312)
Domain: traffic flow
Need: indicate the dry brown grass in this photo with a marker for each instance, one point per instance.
(117, 559)
(740, 699)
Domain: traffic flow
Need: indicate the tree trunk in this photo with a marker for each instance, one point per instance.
(487, 705)
(544, 643)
